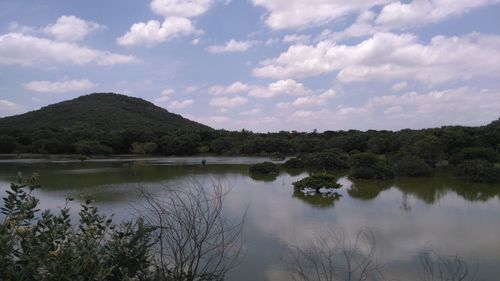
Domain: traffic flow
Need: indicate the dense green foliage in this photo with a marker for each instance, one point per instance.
(366, 165)
(294, 163)
(264, 168)
(412, 166)
(331, 159)
(317, 182)
(474, 153)
(45, 246)
(103, 124)
(93, 124)
(479, 171)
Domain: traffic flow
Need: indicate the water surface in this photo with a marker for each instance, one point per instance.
(406, 216)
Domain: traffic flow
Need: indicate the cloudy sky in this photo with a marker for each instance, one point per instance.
(262, 65)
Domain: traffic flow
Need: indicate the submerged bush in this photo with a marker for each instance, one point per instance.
(367, 165)
(474, 153)
(264, 168)
(327, 160)
(412, 166)
(294, 163)
(317, 182)
(478, 171)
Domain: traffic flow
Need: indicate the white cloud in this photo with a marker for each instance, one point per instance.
(167, 92)
(8, 108)
(421, 12)
(59, 87)
(71, 28)
(228, 102)
(152, 32)
(253, 111)
(164, 97)
(236, 87)
(304, 13)
(180, 8)
(16, 48)
(231, 46)
(314, 100)
(281, 87)
(296, 38)
(177, 23)
(459, 106)
(387, 56)
(181, 104)
(399, 86)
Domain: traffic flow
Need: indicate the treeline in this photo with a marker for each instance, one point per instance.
(432, 145)
(474, 150)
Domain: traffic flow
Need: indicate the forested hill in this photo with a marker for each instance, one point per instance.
(105, 111)
(101, 123)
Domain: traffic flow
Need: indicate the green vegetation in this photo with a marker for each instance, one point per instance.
(317, 182)
(46, 246)
(294, 163)
(331, 159)
(104, 124)
(366, 165)
(264, 168)
(479, 170)
(412, 166)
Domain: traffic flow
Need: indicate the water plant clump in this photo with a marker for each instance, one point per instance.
(320, 183)
(264, 168)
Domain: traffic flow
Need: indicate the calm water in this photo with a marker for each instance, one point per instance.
(406, 216)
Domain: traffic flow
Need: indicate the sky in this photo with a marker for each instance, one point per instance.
(261, 65)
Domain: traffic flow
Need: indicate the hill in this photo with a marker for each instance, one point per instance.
(101, 123)
(106, 111)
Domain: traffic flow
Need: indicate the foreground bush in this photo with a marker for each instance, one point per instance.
(264, 168)
(45, 246)
(186, 238)
(366, 165)
(412, 166)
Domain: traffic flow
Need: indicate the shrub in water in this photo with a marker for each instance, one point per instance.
(264, 168)
(366, 165)
(317, 182)
(412, 166)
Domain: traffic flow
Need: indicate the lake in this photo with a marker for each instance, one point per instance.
(406, 216)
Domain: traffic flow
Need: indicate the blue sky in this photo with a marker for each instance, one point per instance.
(262, 65)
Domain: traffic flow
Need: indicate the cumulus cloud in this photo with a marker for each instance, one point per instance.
(71, 28)
(236, 87)
(304, 13)
(180, 8)
(421, 12)
(308, 101)
(399, 86)
(17, 48)
(181, 104)
(388, 56)
(59, 87)
(281, 87)
(231, 46)
(177, 23)
(458, 106)
(8, 108)
(153, 32)
(228, 102)
(296, 38)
